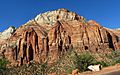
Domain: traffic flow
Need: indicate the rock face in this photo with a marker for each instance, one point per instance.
(4, 36)
(31, 43)
(52, 17)
(51, 34)
(7, 33)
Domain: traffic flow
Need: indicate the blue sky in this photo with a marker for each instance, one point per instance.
(18, 12)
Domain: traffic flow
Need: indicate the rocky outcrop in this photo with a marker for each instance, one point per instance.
(7, 33)
(51, 17)
(85, 35)
(4, 36)
(59, 40)
(51, 34)
(31, 43)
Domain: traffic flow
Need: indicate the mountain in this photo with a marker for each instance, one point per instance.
(51, 34)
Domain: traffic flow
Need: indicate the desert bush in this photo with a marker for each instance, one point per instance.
(3, 64)
(103, 63)
(114, 56)
(65, 64)
(83, 61)
(31, 69)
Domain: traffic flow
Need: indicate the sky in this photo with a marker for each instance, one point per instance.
(17, 12)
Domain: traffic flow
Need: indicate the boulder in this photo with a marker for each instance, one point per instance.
(75, 72)
(94, 67)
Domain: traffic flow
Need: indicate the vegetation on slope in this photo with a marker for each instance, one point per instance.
(65, 65)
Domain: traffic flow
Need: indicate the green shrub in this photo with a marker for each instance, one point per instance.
(3, 64)
(32, 69)
(68, 62)
(83, 61)
(103, 63)
(114, 54)
(114, 57)
(64, 64)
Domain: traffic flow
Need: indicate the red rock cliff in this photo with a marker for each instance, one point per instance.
(52, 34)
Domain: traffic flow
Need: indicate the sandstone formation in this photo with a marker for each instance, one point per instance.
(51, 17)
(4, 36)
(7, 33)
(51, 34)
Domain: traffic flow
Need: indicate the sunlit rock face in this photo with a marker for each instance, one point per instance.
(4, 36)
(7, 33)
(51, 17)
(31, 43)
(51, 34)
